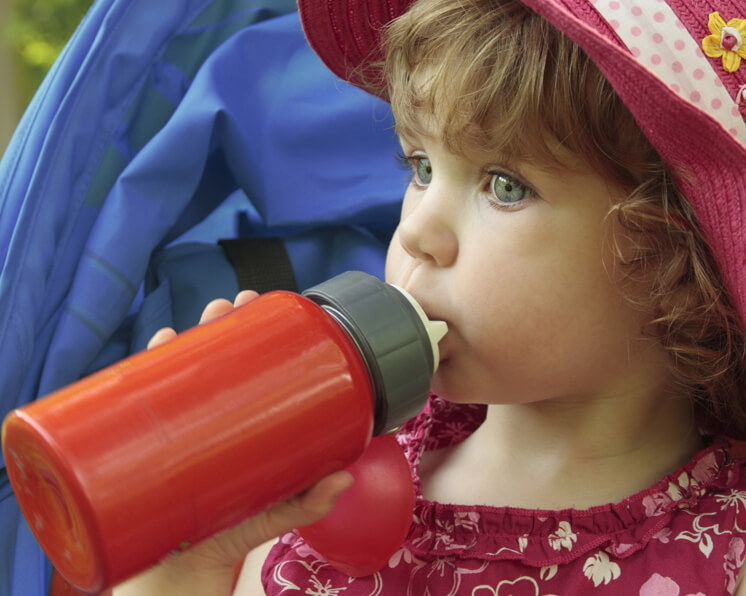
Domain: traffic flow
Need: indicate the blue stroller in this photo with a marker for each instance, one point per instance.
(175, 153)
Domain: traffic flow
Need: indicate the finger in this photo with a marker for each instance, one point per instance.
(320, 499)
(216, 308)
(161, 337)
(306, 508)
(300, 511)
(244, 297)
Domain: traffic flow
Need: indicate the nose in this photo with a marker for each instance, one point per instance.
(428, 227)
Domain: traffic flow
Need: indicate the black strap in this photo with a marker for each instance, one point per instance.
(261, 264)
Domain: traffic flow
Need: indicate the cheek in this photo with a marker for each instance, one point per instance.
(547, 312)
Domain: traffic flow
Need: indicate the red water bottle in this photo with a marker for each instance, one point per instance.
(177, 443)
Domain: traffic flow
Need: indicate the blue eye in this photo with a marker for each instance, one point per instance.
(423, 171)
(507, 190)
(418, 166)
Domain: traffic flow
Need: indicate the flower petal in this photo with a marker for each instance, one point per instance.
(711, 46)
(715, 23)
(740, 25)
(731, 61)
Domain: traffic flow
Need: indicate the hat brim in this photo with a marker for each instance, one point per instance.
(710, 160)
(346, 34)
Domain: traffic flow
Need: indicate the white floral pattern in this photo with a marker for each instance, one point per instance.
(600, 569)
(735, 498)
(696, 517)
(564, 537)
(326, 590)
(522, 585)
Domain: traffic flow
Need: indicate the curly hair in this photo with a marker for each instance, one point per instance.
(500, 77)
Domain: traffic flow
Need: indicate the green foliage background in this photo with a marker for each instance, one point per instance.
(37, 30)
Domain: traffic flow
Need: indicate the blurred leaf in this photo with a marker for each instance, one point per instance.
(37, 30)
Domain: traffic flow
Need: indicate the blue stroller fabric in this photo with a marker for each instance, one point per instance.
(162, 128)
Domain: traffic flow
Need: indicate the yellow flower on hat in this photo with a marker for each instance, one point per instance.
(726, 41)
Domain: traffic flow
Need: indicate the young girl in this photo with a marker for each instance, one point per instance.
(577, 217)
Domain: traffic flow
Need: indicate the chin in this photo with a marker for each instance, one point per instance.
(458, 391)
(440, 387)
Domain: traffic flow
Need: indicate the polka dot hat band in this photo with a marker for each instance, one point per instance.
(679, 66)
(654, 34)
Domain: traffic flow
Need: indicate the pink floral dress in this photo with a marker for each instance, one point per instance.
(684, 536)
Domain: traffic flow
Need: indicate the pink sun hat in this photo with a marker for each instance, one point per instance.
(678, 65)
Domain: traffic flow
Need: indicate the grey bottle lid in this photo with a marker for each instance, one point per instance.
(399, 344)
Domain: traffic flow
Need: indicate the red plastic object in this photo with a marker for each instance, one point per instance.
(371, 519)
(59, 586)
(177, 443)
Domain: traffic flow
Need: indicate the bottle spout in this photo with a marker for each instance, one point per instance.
(436, 330)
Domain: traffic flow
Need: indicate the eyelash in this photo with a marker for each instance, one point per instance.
(409, 163)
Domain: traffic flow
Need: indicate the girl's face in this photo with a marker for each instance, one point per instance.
(515, 257)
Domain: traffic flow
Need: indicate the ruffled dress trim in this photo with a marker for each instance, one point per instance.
(542, 538)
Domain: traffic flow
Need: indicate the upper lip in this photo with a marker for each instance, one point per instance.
(423, 302)
(431, 313)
